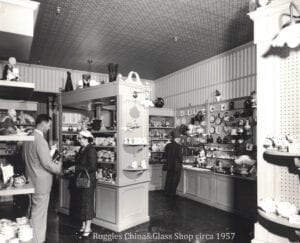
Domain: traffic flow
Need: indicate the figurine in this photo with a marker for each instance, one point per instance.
(218, 95)
(8, 123)
(85, 82)
(11, 72)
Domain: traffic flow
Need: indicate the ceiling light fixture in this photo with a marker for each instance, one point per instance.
(290, 32)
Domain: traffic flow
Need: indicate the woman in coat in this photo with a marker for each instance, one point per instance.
(86, 160)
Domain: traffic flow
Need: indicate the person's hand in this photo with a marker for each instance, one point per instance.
(72, 168)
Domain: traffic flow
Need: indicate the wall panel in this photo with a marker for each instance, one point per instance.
(232, 72)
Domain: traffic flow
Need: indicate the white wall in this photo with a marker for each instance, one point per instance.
(50, 79)
(232, 72)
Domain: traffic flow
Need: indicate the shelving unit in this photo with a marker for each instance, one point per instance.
(115, 207)
(159, 131)
(10, 92)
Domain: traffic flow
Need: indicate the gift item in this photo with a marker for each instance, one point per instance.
(69, 84)
(10, 71)
(218, 95)
(268, 205)
(159, 102)
(112, 71)
(286, 209)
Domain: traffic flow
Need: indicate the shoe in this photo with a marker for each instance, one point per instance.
(79, 232)
(85, 234)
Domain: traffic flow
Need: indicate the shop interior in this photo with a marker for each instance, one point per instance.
(223, 74)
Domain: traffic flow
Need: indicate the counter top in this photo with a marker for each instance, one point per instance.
(26, 189)
(204, 170)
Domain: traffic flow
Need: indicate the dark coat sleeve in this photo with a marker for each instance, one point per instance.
(89, 161)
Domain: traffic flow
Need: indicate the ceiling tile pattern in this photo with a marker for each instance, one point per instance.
(137, 34)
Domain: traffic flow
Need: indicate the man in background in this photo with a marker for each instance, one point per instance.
(173, 164)
(39, 168)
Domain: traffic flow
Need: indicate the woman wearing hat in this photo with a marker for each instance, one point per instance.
(173, 165)
(83, 203)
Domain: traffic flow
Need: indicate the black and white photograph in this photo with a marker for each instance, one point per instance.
(150, 121)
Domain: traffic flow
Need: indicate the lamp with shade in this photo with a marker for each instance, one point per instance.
(290, 32)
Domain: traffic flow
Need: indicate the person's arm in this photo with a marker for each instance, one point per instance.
(45, 158)
(91, 165)
(180, 155)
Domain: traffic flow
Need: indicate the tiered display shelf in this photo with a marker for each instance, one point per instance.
(291, 160)
(162, 122)
(278, 219)
(12, 96)
(115, 207)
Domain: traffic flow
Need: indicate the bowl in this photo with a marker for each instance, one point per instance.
(286, 209)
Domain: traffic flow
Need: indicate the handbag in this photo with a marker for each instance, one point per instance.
(83, 180)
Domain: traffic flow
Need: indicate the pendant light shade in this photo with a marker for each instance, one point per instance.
(290, 33)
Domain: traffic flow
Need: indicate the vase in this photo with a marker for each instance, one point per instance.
(112, 71)
(69, 84)
(159, 102)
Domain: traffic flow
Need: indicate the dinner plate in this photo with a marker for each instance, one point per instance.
(223, 107)
(212, 130)
(212, 119)
(218, 120)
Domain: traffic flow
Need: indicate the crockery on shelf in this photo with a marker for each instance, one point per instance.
(268, 205)
(286, 209)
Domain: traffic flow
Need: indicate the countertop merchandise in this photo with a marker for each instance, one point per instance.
(206, 170)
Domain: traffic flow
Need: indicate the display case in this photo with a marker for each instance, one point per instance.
(122, 188)
(161, 123)
(225, 129)
(21, 122)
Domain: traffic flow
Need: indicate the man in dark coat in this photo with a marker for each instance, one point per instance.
(173, 164)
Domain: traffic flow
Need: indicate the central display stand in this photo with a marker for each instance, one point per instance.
(124, 203)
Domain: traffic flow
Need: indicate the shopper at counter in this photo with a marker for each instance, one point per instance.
(173, 165)
(86, 161)
(39, 168)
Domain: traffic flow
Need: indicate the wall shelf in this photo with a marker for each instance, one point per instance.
(161, 127)
(9, 138)
(15, 90)
(135, 145)
(138, 169)
(104, 146)
(105, 162)
(26, 189)
(104, 132)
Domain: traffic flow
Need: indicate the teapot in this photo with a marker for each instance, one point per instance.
(19, 181)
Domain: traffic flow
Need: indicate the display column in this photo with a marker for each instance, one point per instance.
(278, 95)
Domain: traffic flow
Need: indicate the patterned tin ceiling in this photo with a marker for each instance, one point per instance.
(137, 34)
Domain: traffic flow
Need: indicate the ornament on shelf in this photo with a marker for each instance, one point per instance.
(69, 84)
(159, 102)
(11, 72)
(112, 71)
(218, 95)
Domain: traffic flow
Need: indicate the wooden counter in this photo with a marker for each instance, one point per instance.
(236, 194)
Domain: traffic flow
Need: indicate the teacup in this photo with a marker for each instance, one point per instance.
(134, 164)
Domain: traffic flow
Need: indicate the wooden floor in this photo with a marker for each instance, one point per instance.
(171, 220)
